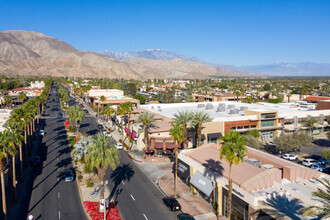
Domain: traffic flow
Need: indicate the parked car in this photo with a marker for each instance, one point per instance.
(322, 161)
(100, 126)
(119, 146)
(172, 203)
(308, 162)
(68, 174)
(319, 167)
(35, 161)
(185, 216)
(42, 132)
(289, 157)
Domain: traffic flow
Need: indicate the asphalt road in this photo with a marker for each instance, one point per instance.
(134, 194)
(48, 196)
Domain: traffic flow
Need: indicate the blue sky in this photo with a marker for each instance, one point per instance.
(223, 31)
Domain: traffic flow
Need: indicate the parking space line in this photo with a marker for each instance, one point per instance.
(145, 216)
(132, 197)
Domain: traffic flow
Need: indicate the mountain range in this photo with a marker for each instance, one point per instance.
(31, 53)
(275, 69)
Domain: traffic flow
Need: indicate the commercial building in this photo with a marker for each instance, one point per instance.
(269, 119)
(216, 98)
(4, 116)
(113, 97)
(260, 181)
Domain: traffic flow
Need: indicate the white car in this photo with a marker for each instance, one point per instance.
(119, 146)
(309, 162)
(289, 157)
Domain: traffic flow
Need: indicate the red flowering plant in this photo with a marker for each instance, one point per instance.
(93, 210)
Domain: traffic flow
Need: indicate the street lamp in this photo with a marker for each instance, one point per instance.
(104, 206)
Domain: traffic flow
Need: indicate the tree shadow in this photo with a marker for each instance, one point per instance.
(92, 132)
(322, 142)
(121, 173)
(214, 168)
(280, 206)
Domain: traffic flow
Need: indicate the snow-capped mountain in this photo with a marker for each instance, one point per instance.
(155, 54)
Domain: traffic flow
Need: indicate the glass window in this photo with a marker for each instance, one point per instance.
(268, 115)
(267, 123)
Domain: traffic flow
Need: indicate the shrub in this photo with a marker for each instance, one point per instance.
(89, 183)
(71, 140)
(72, 129)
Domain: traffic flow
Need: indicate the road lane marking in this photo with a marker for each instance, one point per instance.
(123, 182)
(58, 179)
(145, 216)
(132, 197)
(58, 194)
(59, 214)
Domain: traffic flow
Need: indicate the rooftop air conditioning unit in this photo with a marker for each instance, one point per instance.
(200, 106)
(233, 111)
(231, 106)
(209, 106)
(221, 109)
(152, 107)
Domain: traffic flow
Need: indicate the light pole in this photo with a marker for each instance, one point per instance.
(104, 207)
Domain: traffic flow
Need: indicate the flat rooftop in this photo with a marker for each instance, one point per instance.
(230, 109)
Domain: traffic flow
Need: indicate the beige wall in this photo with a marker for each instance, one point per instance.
(213, 127)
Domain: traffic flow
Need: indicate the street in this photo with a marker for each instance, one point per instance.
(47, 195)
(134, 194)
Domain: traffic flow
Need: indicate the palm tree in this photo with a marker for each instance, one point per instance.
(310, 123)
(122, 110)
(4, 148)
(22, 96)
(178, 135)
(233, 151)
(8, 100)
(102, 99)
(101, 155)
(322, 211)
(198, 118)
(146, 119)
(15, 138)
(108, 111)
(184, 118)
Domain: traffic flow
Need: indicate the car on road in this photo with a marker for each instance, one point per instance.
(68, 175)
(42, 132)
(185, 216)
(289, 157)
(100, 126)
(172, 203)
(308, 162)
(35, 161)
(319, 167)
(119, 146)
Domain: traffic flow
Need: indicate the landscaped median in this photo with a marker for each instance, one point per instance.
(93, 210)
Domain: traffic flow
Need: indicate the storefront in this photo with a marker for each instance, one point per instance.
(203, 185)
(213, 137)
(239, 207)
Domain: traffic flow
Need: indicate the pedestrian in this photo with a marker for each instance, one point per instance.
(30, 216)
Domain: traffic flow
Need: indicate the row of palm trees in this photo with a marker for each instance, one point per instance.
(185, 119)
(63, 94)
(20, 131)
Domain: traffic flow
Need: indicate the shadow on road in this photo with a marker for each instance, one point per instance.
(121, 173)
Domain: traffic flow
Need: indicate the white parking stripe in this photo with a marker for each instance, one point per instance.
(132, 197)
(59, 214)
(123, 182)
(58, 194)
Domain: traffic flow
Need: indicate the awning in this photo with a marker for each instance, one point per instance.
(214, 135)
(203, 137)
(202, 183)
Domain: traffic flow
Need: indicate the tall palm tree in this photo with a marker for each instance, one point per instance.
(146, 119)
(178, 135)
(310, 123)
(13, 139)
(233, 151)
(22, 96)
(122, 111)
(102, 99)
(101, 155)
(16, 138)
(4, 148)
(323, 196)
(108, 111)
(184, 118)
(8, 100)
(198, 118)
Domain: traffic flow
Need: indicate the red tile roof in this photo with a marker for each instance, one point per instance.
(316, 98)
